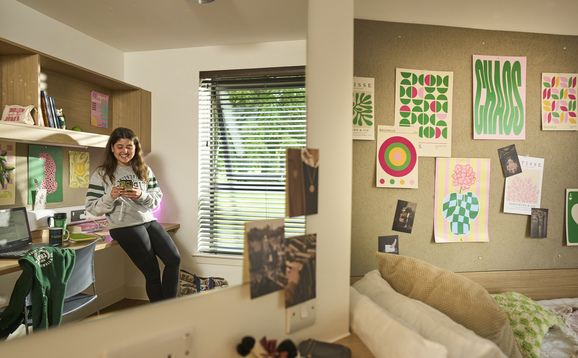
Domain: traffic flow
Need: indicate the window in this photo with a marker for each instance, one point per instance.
(246, 121)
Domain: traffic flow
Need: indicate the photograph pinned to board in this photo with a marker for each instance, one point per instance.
(462, 194)
(363, 108)
(45, 172)
(404, 216)
(423, 100)
(300, 258)
(397, 157)
(99, 109)
(302, 181)
(499, 80)
(571, 217)
(509, 160)
(265, 256)
(559, 94)
(79, 165)
(7, 173)
(388, 244)
(523, 192)
(539, 225)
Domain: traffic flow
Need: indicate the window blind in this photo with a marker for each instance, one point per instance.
(246, 121)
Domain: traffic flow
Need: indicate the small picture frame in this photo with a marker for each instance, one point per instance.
(388, 244)
(40, 199)
(539, 225)
(404, 216)
(509, 160)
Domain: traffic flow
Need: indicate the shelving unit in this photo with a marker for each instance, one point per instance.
(24, 72)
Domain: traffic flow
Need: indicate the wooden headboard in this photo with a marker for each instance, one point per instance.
(536, 284)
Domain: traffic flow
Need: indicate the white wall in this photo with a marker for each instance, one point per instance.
(220, 319)
(173, 76)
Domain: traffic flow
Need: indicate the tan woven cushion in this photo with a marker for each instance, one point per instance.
(460, 298)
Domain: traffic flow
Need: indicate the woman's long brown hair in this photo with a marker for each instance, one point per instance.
(109, 163)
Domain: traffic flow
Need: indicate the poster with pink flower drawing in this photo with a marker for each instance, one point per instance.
(524, 191)
(559, 92)
(462, 194)
(45, 172)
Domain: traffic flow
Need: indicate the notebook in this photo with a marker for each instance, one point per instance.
(15, 238)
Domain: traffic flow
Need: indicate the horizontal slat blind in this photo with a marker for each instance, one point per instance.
(245, 125)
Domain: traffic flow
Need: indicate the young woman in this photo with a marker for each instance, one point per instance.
(125, 189)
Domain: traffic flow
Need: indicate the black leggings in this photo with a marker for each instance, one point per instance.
(143, 243)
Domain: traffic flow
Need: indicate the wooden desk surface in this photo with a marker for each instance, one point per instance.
(11, 265)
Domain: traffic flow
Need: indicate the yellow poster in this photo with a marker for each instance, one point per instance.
(79, 164)
(7, 173)
(462, 193)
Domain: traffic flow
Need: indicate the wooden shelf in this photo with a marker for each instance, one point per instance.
(23, 72)
(23, 133)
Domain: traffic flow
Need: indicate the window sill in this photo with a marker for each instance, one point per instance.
(216, 259)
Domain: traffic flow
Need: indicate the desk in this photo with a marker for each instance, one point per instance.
(11, 265)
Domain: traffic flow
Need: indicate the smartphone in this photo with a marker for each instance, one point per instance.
(127, 184)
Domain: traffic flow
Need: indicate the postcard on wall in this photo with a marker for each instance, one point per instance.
(539, 225)
(7, 173)
(571, 217)
(559, 92)
(99, 109)
(363, 108)
(523, 191)
(79, 165)
(265, 246)
(509, 160)
(300, 253)
(423, 100)
(499, 97)
(397, 157)
(388, 244)
(404, 216)
(45, 172)
(462, 194)
(302, 181)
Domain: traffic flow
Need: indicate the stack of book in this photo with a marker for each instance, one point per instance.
(52, 117)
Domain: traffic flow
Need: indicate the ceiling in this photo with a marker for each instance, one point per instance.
(142, 25)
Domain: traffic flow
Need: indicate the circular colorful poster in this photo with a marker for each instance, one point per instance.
(397, 156)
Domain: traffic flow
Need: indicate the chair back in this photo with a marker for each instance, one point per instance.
(83, 273)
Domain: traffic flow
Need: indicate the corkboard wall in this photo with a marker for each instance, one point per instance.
(380, 48)
(71, 196)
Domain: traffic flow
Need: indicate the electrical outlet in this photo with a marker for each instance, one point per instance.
(77, 215)
(174, 344)
(300, 316)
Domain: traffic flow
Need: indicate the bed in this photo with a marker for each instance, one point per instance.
(409, 308)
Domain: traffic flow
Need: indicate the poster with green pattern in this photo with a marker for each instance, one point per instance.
(571, 217)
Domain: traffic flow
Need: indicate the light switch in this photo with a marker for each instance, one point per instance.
(301, 316)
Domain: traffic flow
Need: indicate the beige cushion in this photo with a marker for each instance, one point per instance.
(460, 298)
(430, 323)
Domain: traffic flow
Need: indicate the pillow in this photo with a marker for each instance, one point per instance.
(529, 320)
(384, 336)
(427, 321)
(460, 298)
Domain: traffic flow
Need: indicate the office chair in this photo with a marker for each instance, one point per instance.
(82, 277)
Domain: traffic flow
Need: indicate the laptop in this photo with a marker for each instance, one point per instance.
(15, 238)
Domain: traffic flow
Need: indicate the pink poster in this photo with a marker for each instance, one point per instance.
(499, 88)
(99, 109)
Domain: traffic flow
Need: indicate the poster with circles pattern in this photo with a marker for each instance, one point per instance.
(423, 101)
(397, 156)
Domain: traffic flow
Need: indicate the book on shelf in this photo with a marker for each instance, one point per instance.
(53, 113)
(44, 109)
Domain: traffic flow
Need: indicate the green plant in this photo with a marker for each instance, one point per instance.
(4, 170)
(362, 109)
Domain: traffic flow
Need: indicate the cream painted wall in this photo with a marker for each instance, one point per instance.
(30, 28)
(220, 319)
